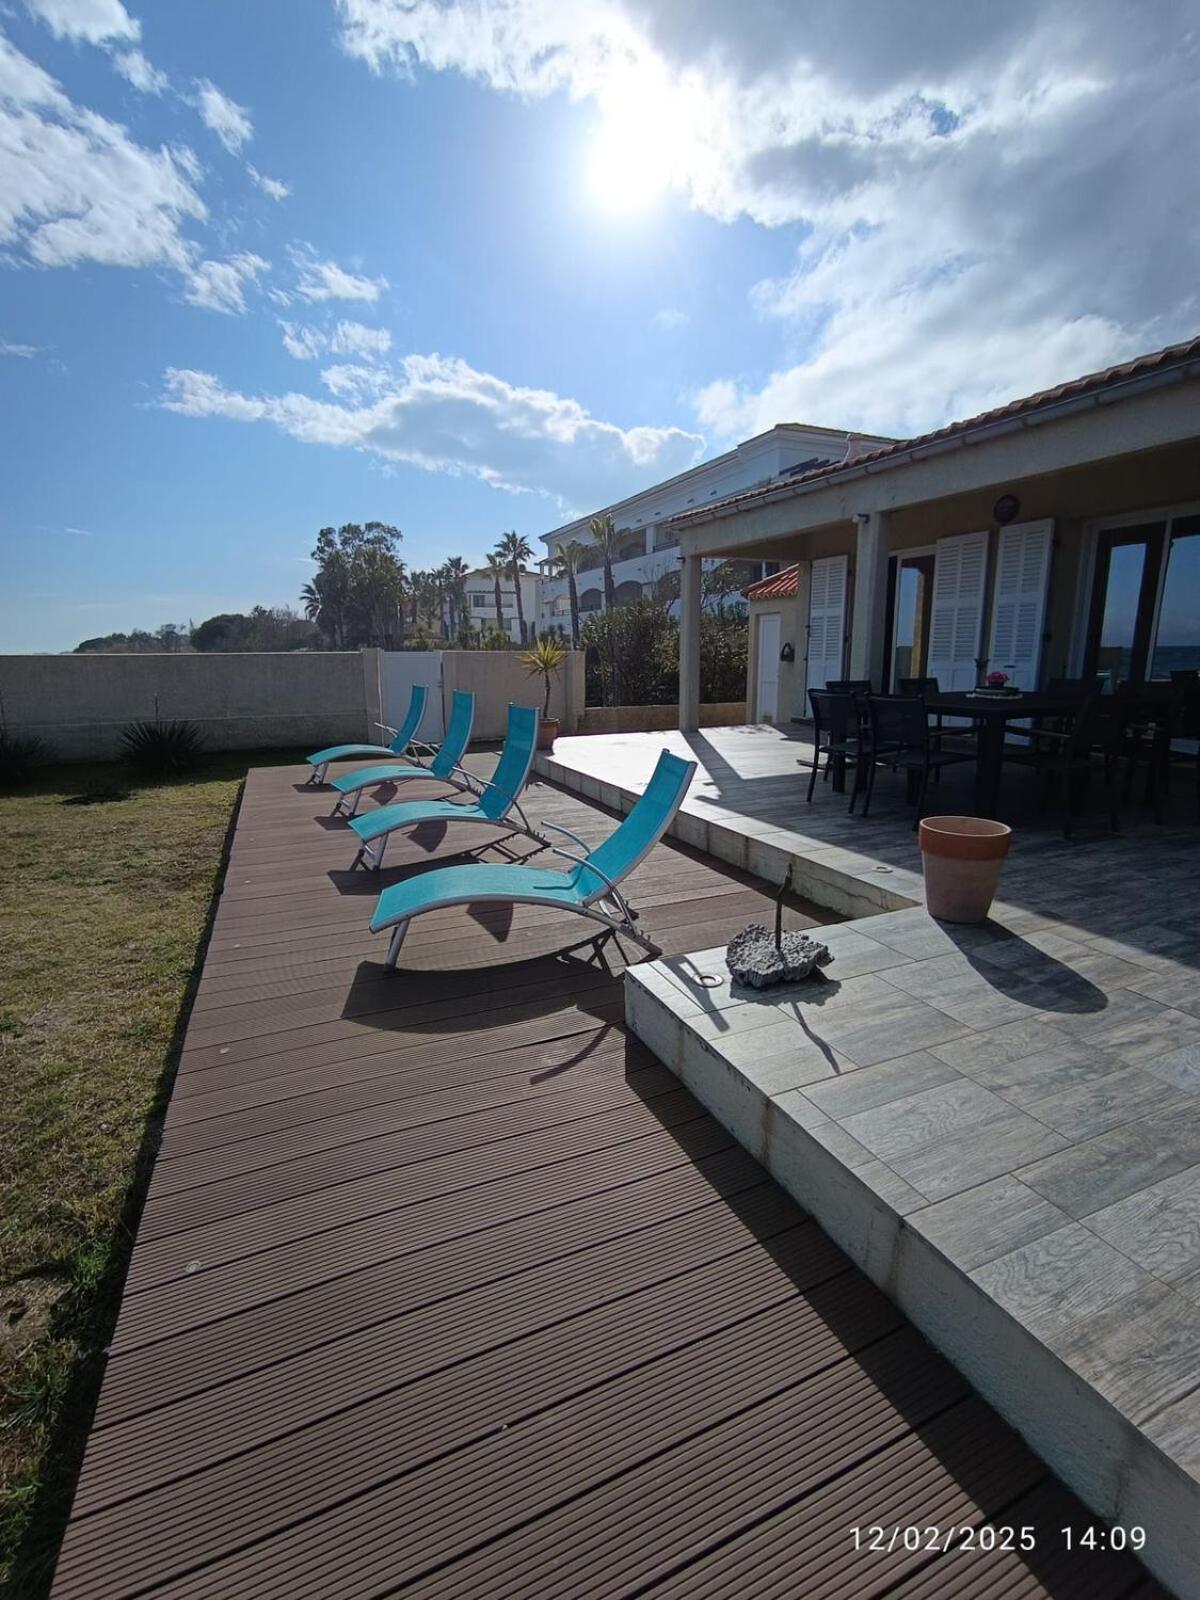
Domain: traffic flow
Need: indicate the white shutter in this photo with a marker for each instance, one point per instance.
(956, 624)
(826, 619)
(1019, 607)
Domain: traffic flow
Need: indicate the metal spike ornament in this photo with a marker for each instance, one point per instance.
(759, 960)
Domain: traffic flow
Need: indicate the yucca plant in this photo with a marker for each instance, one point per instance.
(161, 749)
(544, 661)
(20, 755)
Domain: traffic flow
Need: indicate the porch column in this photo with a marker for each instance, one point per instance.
(867, 623)
(689, 641)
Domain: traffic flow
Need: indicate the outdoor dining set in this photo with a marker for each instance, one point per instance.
(1064, 734)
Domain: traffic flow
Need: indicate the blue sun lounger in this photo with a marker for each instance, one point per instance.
(403, 736)
(444, 767)
(496, 797)
(592, 887)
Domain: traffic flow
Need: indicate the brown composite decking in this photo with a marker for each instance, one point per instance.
(445, 1287)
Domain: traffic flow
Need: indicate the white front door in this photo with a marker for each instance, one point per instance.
(956, 623)
(828, 582)
(767, 706)
(1019, 606)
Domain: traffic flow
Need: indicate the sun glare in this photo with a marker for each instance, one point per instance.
(637, 152)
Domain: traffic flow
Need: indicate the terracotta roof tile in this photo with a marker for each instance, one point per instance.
(779, 586)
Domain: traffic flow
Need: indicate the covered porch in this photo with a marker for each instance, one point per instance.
(1056, 537)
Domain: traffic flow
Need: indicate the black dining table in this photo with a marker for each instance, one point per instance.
(993, 713)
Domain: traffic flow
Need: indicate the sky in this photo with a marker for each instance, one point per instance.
(487, 265)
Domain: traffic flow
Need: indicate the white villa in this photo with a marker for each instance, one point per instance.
(650, 546)
(480, 611)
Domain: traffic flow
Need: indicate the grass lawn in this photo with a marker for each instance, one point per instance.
(103, 909)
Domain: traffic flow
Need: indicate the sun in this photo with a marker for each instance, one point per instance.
(639, 150)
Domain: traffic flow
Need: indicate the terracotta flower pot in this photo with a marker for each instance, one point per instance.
(547, 733)
(962, 858)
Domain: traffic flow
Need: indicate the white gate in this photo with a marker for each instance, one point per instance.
(399, 670)
(956, 626)
(1019, 606)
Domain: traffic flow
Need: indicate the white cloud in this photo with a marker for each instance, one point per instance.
(991, 197)
(75, 187)
(93, 21)
(347, 339)
(80, 533)
(305, 344)
(273, 187)
(440, 414)
(221, 285)
(229, 121)
(26, 351)
(668, 318)
(326, 280)
(141, 73)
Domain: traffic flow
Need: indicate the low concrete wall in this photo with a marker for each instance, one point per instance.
(497, 678)
(79, 704)
(657, 719)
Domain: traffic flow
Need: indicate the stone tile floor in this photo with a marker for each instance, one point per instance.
(1025, 1095)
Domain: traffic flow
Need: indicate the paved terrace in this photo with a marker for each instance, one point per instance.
(446, 1287)
(1000, 1124)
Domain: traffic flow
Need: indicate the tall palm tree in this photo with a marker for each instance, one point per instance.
(497, 569)
(566, 561)
(516, 551)
(607, 541)
(456, 570)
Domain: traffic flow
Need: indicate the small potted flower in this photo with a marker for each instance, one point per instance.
(545, 661)
(997, 680)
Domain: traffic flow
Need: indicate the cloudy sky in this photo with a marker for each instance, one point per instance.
(467, 267)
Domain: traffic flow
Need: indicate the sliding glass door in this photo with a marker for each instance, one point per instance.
(1145, 609)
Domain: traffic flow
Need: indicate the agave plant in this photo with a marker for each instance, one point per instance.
(20, 754)
(161, 749)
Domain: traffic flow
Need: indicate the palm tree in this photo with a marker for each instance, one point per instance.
(497, 569)
(608, 542)
(455, 572)
(515, 551)
(566, 561)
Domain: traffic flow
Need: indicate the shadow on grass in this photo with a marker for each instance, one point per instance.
(86, 1315)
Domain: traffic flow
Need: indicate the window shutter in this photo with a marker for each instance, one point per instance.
(828, 582)
(956, 624)
(1019, 608)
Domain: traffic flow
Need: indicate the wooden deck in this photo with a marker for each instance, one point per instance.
(445, 1287)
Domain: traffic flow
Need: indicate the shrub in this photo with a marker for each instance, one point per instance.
(641, 641)
(161, 749)
(20, 755)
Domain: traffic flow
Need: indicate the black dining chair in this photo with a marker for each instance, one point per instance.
(837, 733)
(919, 686)
(1076, 686)
(1064, 756)
(900, 738)
(849, 686)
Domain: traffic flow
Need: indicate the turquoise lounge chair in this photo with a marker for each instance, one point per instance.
(591, 888)
(403, 736)
(444, 767)
(496, 797)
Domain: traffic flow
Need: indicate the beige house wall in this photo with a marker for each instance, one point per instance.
(498, 679)
(1073, 499)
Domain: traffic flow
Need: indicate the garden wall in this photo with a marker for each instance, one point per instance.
(657, 719)
(79, 704)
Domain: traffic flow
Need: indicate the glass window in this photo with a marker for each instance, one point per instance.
(1177, 643)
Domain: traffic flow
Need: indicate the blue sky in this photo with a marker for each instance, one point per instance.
(529, 258)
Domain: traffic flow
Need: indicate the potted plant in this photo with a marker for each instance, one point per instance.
(545, 661)
(962, 858)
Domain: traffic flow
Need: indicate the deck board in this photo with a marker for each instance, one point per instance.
(444, 1286)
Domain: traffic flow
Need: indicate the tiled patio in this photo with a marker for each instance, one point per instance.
(1000, 1124)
